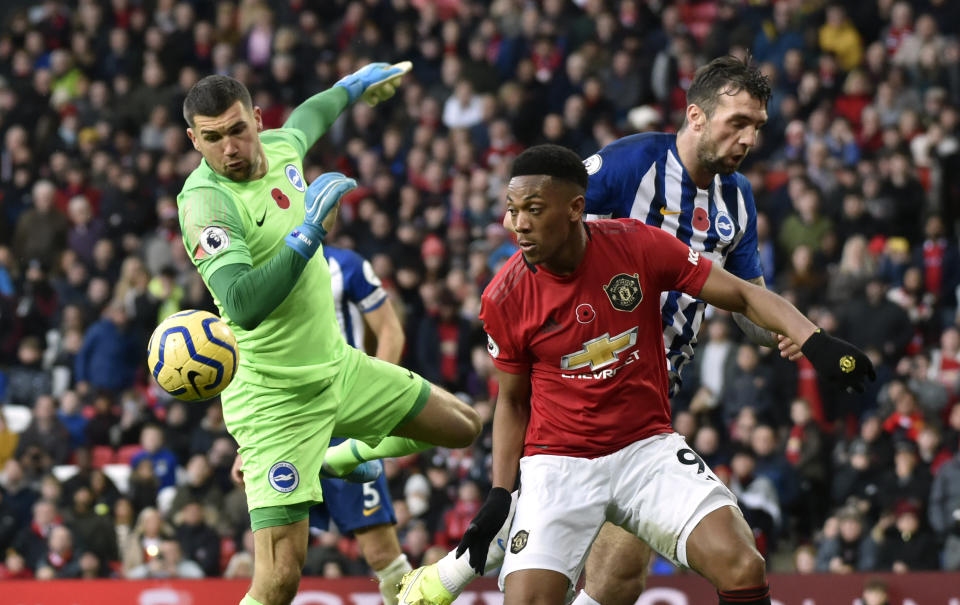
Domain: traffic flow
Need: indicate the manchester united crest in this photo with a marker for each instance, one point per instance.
(624, 291)
(519, 541)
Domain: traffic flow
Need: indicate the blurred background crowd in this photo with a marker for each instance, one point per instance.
(856, 180)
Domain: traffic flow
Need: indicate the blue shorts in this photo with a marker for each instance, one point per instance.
(353, 506)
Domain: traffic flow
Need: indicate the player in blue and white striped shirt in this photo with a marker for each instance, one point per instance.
(357, 293)
(687, 185)
(364, 509)
(642, 177)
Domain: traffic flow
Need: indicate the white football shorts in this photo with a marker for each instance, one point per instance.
(657, 488)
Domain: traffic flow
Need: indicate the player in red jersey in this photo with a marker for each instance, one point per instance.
(575, 333)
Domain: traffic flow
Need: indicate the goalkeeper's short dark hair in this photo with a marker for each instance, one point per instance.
(213, 95)
(551, 160)
(727, 76)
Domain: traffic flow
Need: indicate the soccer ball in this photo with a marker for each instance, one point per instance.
(192, 355)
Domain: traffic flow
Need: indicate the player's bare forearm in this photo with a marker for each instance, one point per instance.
(755, 334)
(386, 326)
(775, 313)
(759, 305)
(390, 346)
(509, 427)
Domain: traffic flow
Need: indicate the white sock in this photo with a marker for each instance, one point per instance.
(390, 576)
(584, 599)
(456, 573)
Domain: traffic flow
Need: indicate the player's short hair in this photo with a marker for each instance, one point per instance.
(551, 160)
(727, 76)
(213, 95)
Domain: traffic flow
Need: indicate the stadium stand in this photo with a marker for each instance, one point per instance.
(856, 179)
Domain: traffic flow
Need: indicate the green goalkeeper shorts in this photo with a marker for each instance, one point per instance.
(284, 433)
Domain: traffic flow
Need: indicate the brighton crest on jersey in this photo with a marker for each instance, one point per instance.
(641, 177)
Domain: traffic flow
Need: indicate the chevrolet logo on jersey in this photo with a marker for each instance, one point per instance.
(601, 351)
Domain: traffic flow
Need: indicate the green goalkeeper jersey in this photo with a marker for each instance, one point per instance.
(227, 223)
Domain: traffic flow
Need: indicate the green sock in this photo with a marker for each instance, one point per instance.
(344, 457)
(248, 600)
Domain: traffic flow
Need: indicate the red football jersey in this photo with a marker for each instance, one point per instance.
(592, 341)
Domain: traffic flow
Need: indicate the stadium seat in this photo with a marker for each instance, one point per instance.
(64, 471)
(774, 179)
(227, 549)
(698, 17)
(119, 474)
(18, 417)
(126, 453)
(102, 455)
(165, 499)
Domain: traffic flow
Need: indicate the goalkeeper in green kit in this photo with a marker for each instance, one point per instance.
(253, 228)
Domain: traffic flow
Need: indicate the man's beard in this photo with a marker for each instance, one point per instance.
(709, 160)
(242, 174)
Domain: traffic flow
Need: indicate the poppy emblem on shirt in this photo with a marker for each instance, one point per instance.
(519, 541)
(280, 198)
(585, 313)
(700, 222)
(724, 225)
(624, 291)
(293, 175)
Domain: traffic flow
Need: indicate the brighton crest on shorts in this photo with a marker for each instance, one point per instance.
(283, 477)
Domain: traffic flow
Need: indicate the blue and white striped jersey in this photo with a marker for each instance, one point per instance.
(641, 177)
(356, 290)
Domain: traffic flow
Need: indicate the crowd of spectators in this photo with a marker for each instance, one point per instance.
(855, 180)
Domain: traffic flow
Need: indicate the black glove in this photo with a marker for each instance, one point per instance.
(838, 362)
(485, 525)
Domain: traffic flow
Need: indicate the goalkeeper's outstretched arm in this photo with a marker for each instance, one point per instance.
(250, 294)
(314, 116)
(215, 238)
